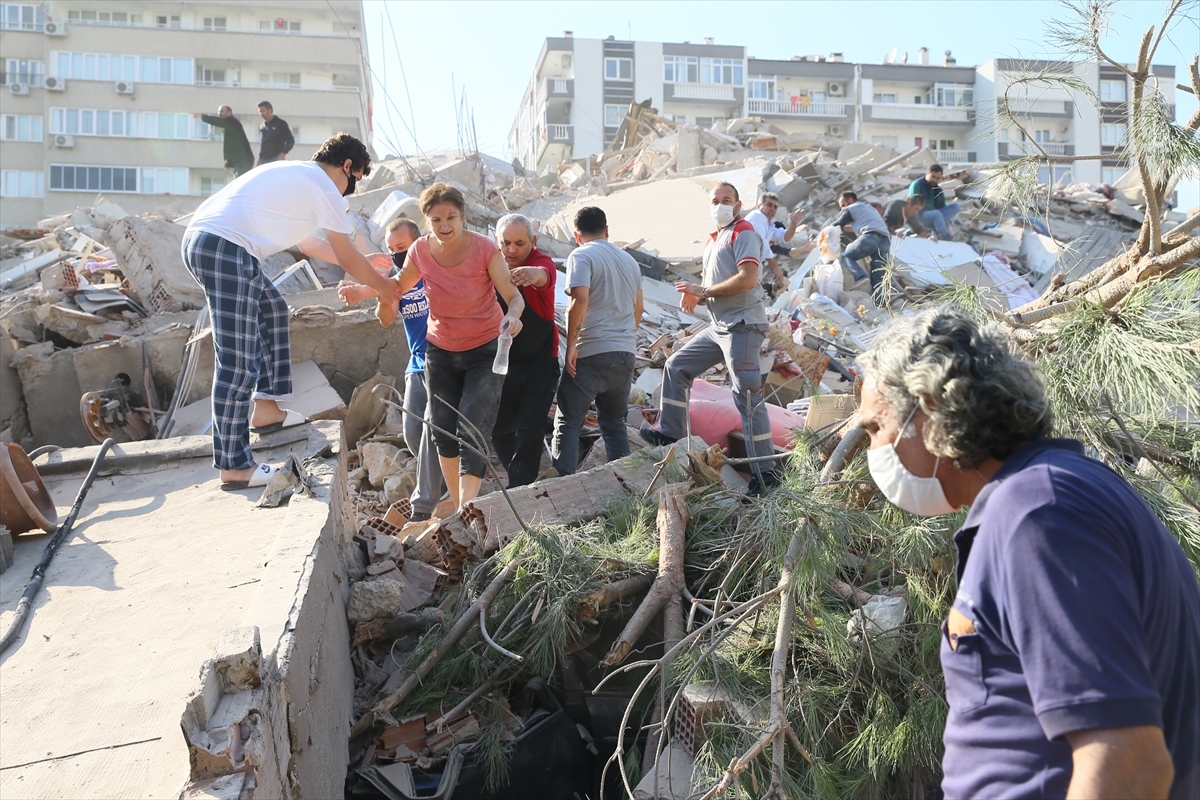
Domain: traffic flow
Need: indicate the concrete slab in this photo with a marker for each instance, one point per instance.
(160, 563)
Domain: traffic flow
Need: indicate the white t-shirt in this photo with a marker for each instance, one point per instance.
(274, 207)
(766, 231)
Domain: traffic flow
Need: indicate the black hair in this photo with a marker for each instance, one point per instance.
(267, 104)
(339, 147)
(853, 197)
(590, 221)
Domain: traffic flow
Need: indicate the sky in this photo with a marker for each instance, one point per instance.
(426, 56)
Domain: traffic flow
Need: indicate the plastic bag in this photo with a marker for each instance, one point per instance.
(829, 244)
(827, 279)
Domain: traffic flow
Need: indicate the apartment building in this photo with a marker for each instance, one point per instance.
(580, 89)
(98, 96)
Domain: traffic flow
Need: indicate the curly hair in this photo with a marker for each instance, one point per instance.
(442, 193)
(982, 399)
(337, 148)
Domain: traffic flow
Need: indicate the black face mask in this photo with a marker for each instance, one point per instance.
(351, 181)
(398, 258)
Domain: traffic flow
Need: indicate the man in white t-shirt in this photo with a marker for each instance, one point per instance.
(277, 206)
(763, 220)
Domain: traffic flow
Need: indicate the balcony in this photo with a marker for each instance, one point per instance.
(1010, 150)
(919, 112)
(559, 87)
(702, 91)
(560, 134)
(955, 156)
(785, 108)
(1040, 108)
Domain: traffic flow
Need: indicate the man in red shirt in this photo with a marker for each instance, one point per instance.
(520, 432)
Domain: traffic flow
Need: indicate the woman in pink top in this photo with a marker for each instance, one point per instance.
(462, 272)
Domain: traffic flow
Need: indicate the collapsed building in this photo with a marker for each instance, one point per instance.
(495, 651)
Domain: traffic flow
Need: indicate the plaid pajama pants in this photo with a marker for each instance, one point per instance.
(250, 336)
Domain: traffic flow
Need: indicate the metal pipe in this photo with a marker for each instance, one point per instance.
(60, 535)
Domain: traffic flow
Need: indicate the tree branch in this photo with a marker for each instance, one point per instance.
(1162, 29)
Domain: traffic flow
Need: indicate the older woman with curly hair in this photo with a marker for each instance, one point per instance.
(1072, 649)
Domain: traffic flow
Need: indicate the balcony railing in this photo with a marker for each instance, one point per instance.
(790, 109)
(559, 85)
(955, 156)
(1019, 149)
(704, 91)
(1048, 108)
(558, 133)
(920, 112)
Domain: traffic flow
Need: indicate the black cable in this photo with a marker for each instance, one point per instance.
(60, 535)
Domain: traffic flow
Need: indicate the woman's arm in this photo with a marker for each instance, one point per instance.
(502, 280)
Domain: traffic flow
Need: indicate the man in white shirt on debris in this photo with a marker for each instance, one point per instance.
(763, 220)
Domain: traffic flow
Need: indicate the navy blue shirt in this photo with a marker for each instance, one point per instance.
(1086, 615)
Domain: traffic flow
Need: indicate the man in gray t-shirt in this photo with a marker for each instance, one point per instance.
(873, 242)
(734, 300)
(605, 287)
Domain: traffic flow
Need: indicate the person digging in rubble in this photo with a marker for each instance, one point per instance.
(763, 218)
(604, 284)
(734, 300)
(520, 432)
(239, 156)
(414, 312)
(938, 214)
(904, 213)
(873, 242)
(462, 272)
(257, 215)
(1072, 650)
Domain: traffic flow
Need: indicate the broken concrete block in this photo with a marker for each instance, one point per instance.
(238, 659)
(374, 600)
(398, 487)
(421, 580)
(386, 547)
(148, 253)
(226, 787)
(10, 380)
(380, 460)
(106, 213)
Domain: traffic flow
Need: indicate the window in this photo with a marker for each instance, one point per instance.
(612, 115)
(618, 69)
(212, 77)
(146, 69)
(23, 183)
(1041, 137)
(163, 180)
(762, 89)
(279, 80)
(165, 21)
(681, 69)
(21, 17)
(943, 144)
(19, 128)
(888, 141)
(75, 178)
(885, 97)
(709, 122)
(1111, 175)
(22, 71)
(1112, 91)
(721, 70)
(1112, 133)
(952, 94)
(214, 23)
(118, 18)
(680, 119)
(146, 124)
(280, 25)
(211, 186)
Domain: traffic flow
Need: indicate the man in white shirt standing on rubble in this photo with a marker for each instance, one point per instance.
(734, 300)
(763, 220)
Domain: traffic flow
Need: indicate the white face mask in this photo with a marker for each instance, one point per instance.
(922, 496)
(722, 215)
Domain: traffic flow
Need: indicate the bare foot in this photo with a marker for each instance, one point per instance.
(229, 475)
(355, 293)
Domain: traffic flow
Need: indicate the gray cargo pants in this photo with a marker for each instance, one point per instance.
(738, 347)
(419, 438)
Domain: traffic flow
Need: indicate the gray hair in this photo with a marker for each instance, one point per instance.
(982, 398)
(514, 219)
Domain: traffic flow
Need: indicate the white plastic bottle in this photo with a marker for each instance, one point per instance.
(503, 345)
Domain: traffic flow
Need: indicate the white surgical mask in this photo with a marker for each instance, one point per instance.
(922, 496)
(722, 215)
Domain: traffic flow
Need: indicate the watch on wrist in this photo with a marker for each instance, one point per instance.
(703, 292)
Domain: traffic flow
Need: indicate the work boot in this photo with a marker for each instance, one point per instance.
(770, 480)
(656, 438)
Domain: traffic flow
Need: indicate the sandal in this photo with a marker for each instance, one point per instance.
(259, 477)
(292, 419)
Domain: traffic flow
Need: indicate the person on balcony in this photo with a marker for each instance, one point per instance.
(938, 214)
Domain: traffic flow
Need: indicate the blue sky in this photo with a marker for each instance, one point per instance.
(488, 49)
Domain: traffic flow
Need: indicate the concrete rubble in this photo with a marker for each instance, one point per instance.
(98, 308)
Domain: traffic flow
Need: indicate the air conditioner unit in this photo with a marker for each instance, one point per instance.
(124, 87)
(19, 88)
(56, 84)
(55, 29)
(837, 89)
(64, 141)
(837, 130)
(566, 61)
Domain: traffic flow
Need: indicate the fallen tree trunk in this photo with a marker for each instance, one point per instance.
(605, 596)
(672, 522)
